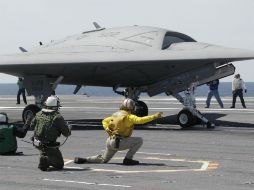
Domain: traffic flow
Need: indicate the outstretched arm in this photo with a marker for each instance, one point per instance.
(141, 120)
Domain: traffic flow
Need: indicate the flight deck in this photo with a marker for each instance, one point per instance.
(170, 158)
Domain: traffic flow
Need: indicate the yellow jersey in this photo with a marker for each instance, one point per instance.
(122, 123)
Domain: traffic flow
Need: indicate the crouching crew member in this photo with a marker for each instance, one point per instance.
(48, 125)
(119, 127)
(8, 134)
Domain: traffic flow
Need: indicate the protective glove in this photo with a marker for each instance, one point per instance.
(158, 115)
(245, 90)
(69, 127)
(29, 119)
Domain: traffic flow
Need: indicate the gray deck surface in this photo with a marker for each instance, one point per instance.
(171, 158)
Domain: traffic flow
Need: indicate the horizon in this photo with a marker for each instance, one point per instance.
(225, 90)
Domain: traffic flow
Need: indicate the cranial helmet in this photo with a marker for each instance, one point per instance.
(237, 76)
(128, 103)
(3, 118)
(52, 101)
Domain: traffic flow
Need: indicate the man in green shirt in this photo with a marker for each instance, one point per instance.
(21, 90)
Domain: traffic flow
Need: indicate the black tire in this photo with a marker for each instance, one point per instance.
(185, 118)
(31, 109)
(141, 109)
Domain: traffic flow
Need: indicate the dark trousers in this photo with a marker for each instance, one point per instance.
(214, 93)
(240, 94)
(23, 92)
(53, 156)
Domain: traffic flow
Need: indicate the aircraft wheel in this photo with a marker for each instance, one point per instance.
(185, 118)
(141, 109)
(29, 111)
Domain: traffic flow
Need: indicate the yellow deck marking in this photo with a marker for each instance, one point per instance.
(67, 161)
(213, 166)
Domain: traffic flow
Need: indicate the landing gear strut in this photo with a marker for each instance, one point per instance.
(189, 115)
(41, 88)
(133, 93)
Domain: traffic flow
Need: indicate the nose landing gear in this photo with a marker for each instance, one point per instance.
(133, 93)
(141, 109)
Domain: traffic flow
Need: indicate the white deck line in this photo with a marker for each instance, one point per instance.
(86, 183)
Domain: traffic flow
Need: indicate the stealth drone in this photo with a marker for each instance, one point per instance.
(138, 58)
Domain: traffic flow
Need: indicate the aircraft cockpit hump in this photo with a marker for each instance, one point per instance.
(175, 37)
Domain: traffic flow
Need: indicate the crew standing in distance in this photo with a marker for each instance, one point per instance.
(119, 127)
(213, 91)
(238, 86)
(48, 125)
(21, 90)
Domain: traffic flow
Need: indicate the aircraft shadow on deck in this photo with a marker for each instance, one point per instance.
(216, 118)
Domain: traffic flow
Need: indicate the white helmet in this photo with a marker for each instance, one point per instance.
(52, 101)
(128, 103)
(3, 118)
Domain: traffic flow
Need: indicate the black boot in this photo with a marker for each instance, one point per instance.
(130, 162)
(78, 160)
(43, 165)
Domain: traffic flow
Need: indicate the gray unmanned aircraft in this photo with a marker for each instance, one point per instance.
(138, 58)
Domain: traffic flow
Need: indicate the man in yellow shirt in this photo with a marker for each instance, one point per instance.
(119, 127)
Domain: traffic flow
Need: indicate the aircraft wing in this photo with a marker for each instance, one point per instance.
(110, 66)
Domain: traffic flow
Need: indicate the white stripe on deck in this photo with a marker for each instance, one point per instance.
(86, 183)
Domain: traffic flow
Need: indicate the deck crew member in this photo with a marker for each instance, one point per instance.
(48, 125)
(8, 134)
(238, 86)
(21, 90)
(119, 127)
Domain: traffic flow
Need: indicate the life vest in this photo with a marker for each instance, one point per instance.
(116, 125)
(44, 130)
(8, 142)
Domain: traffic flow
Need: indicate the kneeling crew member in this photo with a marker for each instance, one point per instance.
(8, 134)
(48, 125)
(119, 127)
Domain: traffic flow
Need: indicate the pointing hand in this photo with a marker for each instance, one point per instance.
(158, 115)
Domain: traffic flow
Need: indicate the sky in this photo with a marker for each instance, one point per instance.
(222, 22)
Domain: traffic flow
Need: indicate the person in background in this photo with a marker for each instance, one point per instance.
(238, 86)
(213, 91)
(119, 127)
(21, 90)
